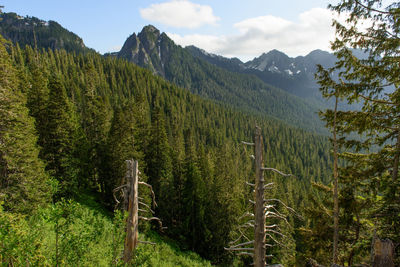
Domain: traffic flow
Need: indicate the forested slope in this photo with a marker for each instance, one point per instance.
(92, 113)
(157, 52)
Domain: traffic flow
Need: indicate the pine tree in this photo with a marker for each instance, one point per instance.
(372, 133)
(95, 124)
(159, 166)
(24, 184)
(121, 146)
(60, 140)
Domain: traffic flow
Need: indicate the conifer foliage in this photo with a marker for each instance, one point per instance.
(24, 184)
(91, 113)
(369, 137)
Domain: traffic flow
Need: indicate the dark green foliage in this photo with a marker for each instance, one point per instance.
(38, 33)
(59, 141)
(369, 137)
(24, 184)
(98, 112)
(158, 53)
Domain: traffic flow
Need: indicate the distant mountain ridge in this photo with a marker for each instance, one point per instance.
(209, 78)
(294, 75)
(154, 50)
(44, 34)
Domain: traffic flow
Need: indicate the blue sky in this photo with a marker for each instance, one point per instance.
(235, 28)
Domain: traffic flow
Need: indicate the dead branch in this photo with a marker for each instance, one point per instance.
(276, 241)
(277, 171)
(247, 143)
(252, 201)
(243, 244)
(243, 235)
(246, 226)
(250, 184)
(275, 232)
(283, 204)
(152, 192)
(144, 210)
(153, 219)
(271, 214)
(268, 186)
(116, 190)
(247, 214)
(272, 226)
(147, 206)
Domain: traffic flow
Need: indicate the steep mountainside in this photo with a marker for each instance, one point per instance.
(48, 34)
(294, 75)
(157, 52)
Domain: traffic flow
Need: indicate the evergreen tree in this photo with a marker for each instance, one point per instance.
(24, 184)
(61, 138)
(96, 124)
(159, 166)
(370, 180)
(194, 196)
(121, 146)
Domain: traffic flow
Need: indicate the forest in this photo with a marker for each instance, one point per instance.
(70, 120)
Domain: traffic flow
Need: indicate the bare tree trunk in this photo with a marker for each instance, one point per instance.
(335, 190)
(259, 229)
(131, 240)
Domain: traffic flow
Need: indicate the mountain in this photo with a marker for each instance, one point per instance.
(294, 75)
(44, 34)
(157, 52)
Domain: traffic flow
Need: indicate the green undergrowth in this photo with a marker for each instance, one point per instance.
(81, 233)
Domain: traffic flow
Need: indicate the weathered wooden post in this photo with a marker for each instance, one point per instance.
(131, 239)
(259, 210)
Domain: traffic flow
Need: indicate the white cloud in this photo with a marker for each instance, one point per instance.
(180, 14)
(261, 34)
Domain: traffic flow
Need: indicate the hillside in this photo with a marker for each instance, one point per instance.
(101, 111)
(44, 34)
(158, 53)
(294, 75)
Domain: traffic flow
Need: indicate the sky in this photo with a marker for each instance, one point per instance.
(233, 28)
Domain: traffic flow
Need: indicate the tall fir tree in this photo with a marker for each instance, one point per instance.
(60, 141)
(372, 133)
(24, 184)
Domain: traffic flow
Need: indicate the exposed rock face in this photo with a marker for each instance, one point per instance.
(148, 49)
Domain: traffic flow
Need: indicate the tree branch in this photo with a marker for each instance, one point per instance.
(153, 219)
(243, 244)
(277, 171)
(152, 192)
(371, 8)
(247, 143)
(378, 100)
(250, 184)
(147, 206)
